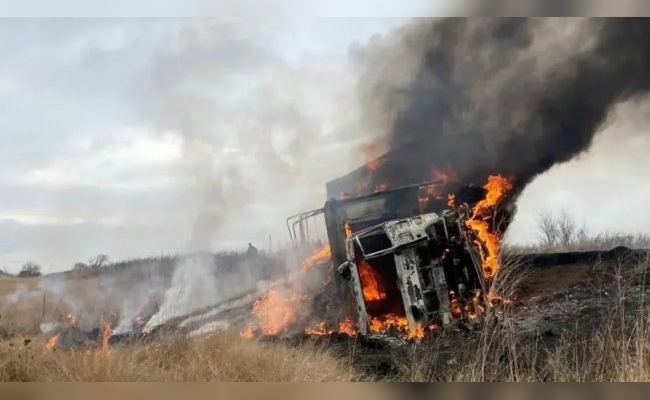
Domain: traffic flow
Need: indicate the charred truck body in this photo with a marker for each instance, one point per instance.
(404, 251)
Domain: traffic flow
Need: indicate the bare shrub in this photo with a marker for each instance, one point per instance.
(30, 269)
(548, 229)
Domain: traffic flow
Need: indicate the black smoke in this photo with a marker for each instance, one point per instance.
(535, 90)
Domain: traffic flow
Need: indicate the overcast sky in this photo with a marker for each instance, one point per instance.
(121, 134)
(139, 137)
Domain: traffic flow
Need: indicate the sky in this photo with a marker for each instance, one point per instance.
(115, 130)
(139, 137)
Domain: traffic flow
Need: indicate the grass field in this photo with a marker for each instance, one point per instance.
(219, 357)
(618, 350)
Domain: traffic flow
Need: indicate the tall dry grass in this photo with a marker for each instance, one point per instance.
(616, 350)
(601, 241)
(560, 232)
(218, 357)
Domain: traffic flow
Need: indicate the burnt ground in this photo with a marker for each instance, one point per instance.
(558, 295)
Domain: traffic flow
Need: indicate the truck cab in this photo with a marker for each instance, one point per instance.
(400, 263)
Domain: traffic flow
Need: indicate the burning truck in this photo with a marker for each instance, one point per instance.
(412, 258)
(405, 256)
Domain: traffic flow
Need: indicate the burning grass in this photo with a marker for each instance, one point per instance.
(616, 350)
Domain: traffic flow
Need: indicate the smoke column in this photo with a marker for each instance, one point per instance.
(536, 89)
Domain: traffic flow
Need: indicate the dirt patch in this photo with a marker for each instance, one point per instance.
(541, 284)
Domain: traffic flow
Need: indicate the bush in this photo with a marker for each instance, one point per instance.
(559, 231)
(30, 269)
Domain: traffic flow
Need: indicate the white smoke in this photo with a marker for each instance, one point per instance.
(193, 286)
(137, 305)
(49, 327)
(210, 327)
(20, 292)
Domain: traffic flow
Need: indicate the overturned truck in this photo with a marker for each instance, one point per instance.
(424, 269)
(404, 254)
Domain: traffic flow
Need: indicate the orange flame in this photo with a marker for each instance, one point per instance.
(54, 340)
(247, 333)
(417, 333)
(318, 329)
(347, 327)
(493, 297)
(373, 287)
(387, 322)
(348, 230)
(445, 175)
(275, 312)
(106, 334)
(475, 308)
(322, 254)
(426, 193)
(496, 187)
(456, 311)
(451, 200)
(374, 165)
(391, 321)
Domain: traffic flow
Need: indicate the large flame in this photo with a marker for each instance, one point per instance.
(276, 312)
(320, 255)
(371, 282)
(393, 322)
(497, 186)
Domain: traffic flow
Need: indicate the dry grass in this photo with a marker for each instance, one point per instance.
(219, 357)
(603, 241)
(616, 351)
(619, 350)
(8, 284)
(25, 313)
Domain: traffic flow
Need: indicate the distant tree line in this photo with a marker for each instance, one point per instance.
(31, 269)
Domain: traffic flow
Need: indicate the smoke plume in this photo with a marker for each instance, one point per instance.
(537, 90)
(260, 134)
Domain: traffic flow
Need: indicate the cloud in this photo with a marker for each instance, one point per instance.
(136, 137)
(168, 135)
